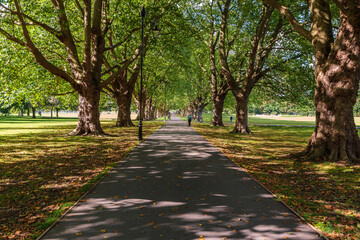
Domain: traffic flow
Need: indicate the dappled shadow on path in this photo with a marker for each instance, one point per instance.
(175, 185)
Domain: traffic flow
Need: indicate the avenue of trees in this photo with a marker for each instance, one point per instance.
(251, 56)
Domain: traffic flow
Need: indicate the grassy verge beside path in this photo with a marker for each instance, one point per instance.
(326, 194)
(274, 120)
(43, 171)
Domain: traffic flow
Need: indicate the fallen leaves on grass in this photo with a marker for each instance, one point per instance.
(325, 193)
(42, 174)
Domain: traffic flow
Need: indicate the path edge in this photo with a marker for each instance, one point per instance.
(95, 185)
(271, 193)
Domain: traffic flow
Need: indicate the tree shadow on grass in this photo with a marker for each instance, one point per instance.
(41, 171)
(176, 186)
(324, 193)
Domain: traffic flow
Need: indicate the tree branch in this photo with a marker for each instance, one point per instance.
(290, 17)
(81, 9)
(44, 26)
(265, 71)
(341, 7)
(39, 56)
(68, 39)
(12, 38)
(62, 94)
(123, 41)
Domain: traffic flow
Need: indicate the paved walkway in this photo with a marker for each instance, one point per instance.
(175, 185)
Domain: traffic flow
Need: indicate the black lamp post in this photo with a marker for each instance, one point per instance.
(143, 13)
(156, 33)
(165, 104)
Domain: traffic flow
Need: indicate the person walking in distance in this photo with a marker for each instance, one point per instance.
(189, 119)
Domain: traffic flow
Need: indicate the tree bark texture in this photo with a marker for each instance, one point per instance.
(242, 125)
(89, 114)
(33, 112)
(124, 111)
(200, 113)
(219, 86)
(218, 108)
(153, 112)
(254, 68)
(337, 75)
(122, 91)
(148, 103)
(337, 82)
(143, 106)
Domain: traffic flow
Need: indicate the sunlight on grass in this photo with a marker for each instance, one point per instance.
(325, 193)
(43, 171)
(273, 120)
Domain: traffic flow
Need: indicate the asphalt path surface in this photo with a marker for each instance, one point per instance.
(176, 185)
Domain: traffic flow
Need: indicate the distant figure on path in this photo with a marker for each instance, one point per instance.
(230, 119)
(189, 119)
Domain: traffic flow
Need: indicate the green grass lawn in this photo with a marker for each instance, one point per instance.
(258, 120)
(43, 171)
(326, 194)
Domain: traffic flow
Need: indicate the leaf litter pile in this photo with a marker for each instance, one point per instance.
(326, 194)
(43, 173)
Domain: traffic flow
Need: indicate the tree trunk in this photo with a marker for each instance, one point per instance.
(33, 112)
(51, 112)
(200, 112)
(124, 110)
(89, 114)
(28, 111)
(143, 106)
(148, 109)
(241, 125)
(337, 83)
(153, 113)
(57, 112)
(218, 108)
(195, 115)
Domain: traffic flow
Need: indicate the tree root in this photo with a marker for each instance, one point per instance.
(245, 130)
(127, 124)
(217, 125)
(319, 154)
(81, 132)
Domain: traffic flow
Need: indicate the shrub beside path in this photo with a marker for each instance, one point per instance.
(175, 185)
